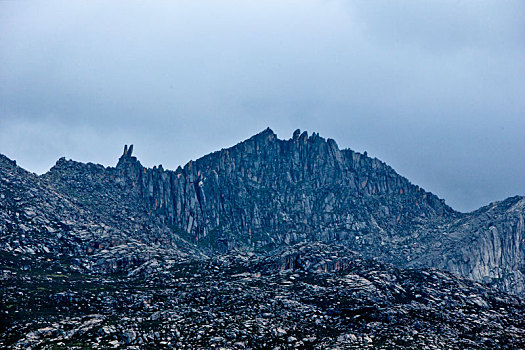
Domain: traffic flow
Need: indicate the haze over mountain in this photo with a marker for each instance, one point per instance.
(435, 89)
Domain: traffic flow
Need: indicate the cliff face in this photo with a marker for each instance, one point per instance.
(212, 244)
(491, 245)
(265, 192)
(79, 214)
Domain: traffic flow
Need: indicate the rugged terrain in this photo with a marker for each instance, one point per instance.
(304, 296)
(266, 192)
(268, 243)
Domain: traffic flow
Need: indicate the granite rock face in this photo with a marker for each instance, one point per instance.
(247, 243)
(78, 213)
(266, 192)
(487, 245)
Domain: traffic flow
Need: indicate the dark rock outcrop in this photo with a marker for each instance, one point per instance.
(265, 192)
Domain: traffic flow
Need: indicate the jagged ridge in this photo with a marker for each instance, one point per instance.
(264, 193)
(121, 252)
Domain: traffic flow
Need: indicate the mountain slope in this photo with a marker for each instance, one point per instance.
(265, 193)
(270, 243)
(486, 245)
(40, 222)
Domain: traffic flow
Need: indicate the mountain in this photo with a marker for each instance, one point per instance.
(107, 231)
(264, 193)
(262, 208)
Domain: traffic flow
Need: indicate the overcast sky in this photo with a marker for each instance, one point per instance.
(436, 89)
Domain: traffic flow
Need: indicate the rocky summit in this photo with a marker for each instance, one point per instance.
(268, 244)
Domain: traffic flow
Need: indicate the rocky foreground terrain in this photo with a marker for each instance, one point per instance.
(268, 244)
(309, 295)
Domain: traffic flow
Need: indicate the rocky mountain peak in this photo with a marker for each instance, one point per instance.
(265, 193)
(128, 165)
(127, 154)
(296, 134)
(265, 243)
(263, 138)
(61, 162)
(268, 133)
(127, 151)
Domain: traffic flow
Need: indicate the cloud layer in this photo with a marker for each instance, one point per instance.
(436, 88)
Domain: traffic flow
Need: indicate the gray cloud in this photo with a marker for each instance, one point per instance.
(433, 88)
